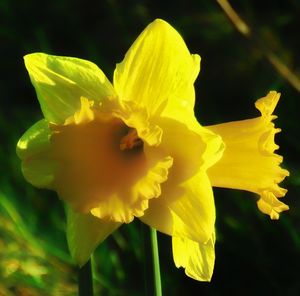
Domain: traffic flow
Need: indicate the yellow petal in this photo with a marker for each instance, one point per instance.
(249, 162)
(60, 82)
(34, 140)
(40, 171)
(85, 233)
(158, 67)
(194, 212)
(197, 259)
(184, 210)
(32, 149)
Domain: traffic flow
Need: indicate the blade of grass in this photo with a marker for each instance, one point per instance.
(282, 69)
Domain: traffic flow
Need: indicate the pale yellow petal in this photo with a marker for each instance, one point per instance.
(194, 212)
(33, 149)
(40, 171)
(158, 67)
(84, 233)
(34, 140)
(60, 82)
(197, 259)
(185, 210)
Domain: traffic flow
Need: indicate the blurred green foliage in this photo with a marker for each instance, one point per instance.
(255, 256)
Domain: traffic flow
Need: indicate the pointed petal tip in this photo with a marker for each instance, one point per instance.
(31, 57)
(202, 278)
(160, 22)
(28, 58)
(80, 261)
(196, 258)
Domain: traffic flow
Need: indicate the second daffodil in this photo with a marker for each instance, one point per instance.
(135, 148)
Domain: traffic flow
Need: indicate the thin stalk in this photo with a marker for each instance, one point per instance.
(151, 262)
(85, 280)
(155, 258)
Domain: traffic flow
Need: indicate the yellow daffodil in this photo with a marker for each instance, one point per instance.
(108, 150)
(135, 148)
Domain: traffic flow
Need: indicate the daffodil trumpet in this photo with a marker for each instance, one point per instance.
(249, 161)
(134, 148)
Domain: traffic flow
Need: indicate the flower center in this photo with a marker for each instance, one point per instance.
(131, 141)
(98, 159)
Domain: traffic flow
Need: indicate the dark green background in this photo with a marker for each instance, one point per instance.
(254, 255)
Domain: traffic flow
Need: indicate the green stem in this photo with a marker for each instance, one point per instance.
(155, 258)
(85, 280)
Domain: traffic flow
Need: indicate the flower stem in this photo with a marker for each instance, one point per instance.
(155, 258)
(151, 262)
(85, 280)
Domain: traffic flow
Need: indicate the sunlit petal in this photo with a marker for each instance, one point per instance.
(84, 233)
(61, 81)
(185, 210)
(158, 67)
(197, 259)
(33, 148)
